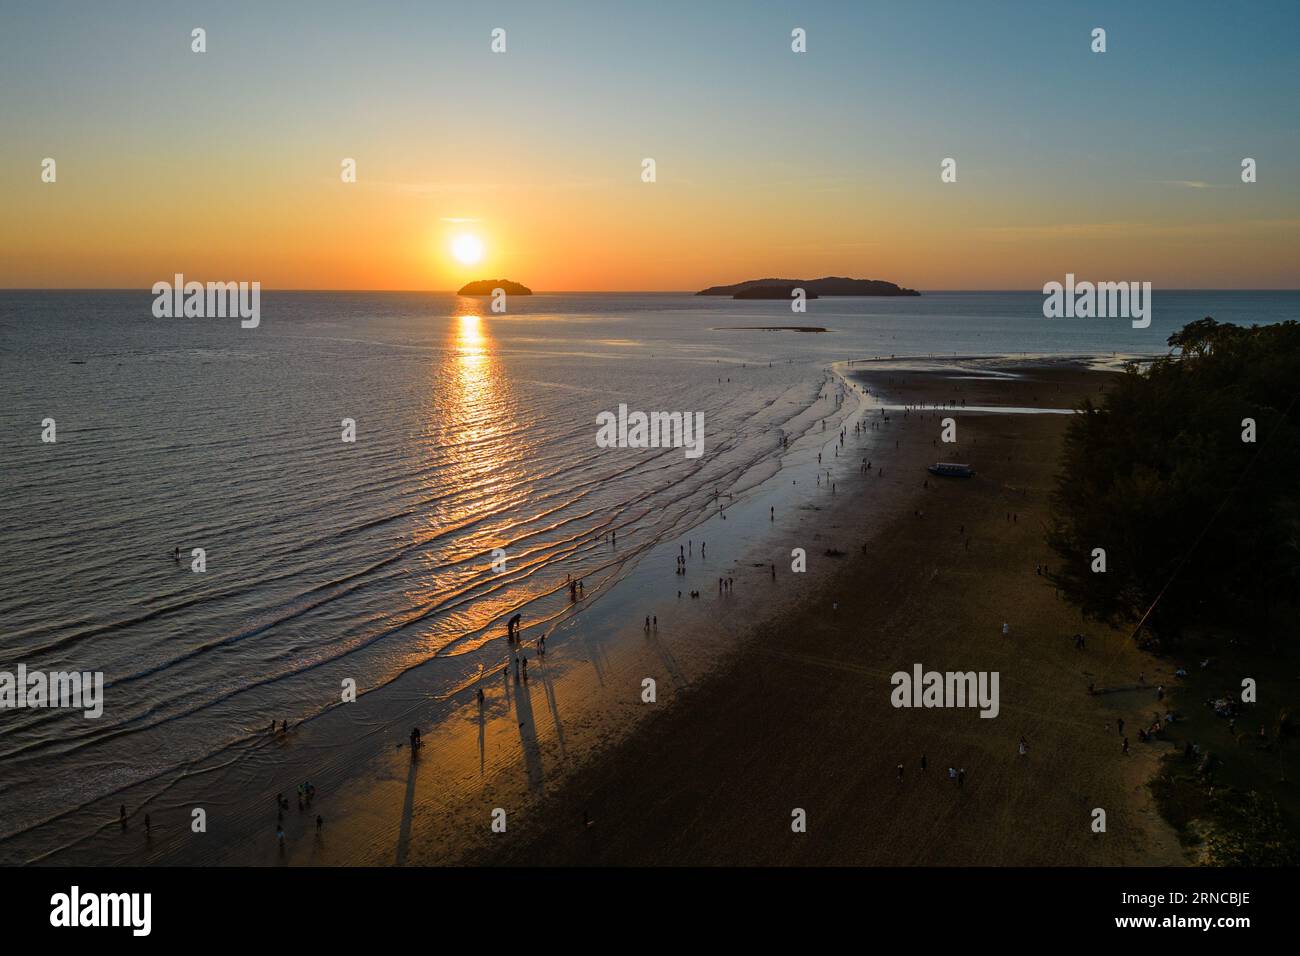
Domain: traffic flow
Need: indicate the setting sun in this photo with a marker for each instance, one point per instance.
(467, 249)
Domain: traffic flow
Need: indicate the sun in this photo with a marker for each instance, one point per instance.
(467, 249)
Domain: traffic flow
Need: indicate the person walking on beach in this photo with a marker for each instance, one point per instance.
(1125, 747)
(923, 761)
(961, 776)
(1119, 723)
(1023, 747)
(900, 773)
(320, 822)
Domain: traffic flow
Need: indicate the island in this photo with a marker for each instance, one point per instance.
(486, 287)
(769, 292)
(830, 285)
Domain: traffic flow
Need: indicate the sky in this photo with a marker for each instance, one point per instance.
(225, 165)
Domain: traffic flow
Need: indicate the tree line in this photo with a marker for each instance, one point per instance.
(1187, 478)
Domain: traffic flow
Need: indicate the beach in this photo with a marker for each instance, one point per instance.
(772, 688)
(800, 716)
(760, 715)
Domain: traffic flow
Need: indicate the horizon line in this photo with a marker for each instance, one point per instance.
(691, 292)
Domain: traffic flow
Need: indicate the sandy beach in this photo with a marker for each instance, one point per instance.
(754, 720)
(799, 716)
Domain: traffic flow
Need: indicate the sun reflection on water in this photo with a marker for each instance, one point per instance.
(476, 455)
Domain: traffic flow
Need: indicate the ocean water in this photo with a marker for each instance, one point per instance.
(329, 560)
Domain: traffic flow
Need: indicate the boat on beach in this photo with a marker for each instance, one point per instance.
(949, 469)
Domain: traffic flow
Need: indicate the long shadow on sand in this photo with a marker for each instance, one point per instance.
(528, 736)
(408, 810)
(548, 686)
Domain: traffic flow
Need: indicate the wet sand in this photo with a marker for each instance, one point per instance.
(800, 716)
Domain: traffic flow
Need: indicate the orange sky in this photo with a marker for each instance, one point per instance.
(106, 228)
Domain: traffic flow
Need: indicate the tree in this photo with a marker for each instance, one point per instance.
(1194, 520)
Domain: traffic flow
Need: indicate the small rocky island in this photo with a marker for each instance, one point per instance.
(813, 288)
(486, 286)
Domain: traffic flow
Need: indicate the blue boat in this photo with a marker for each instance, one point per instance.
(947, 469)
